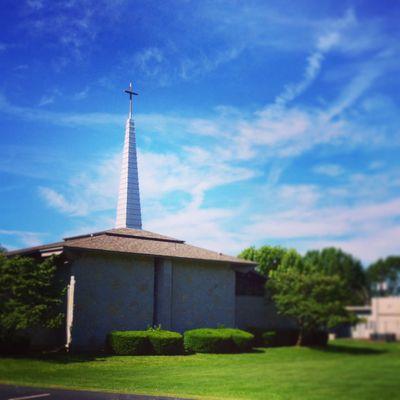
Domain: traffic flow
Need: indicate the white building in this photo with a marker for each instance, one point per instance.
(381, 317)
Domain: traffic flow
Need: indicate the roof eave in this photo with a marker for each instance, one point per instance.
(251, 265)
(45, 250)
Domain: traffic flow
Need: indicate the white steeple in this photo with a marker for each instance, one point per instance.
(128, 210)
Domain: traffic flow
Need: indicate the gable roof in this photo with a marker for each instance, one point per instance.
(133, 241)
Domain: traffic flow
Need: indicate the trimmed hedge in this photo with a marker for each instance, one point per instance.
(145, 342)
(243, 340)
(166, 342)
(129, 342)
(220, 340)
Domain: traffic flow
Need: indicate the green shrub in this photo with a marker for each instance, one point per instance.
(152, 341)
(129, 342)
(269, 339)
(207, 341)
(243, 340)
(222, 340)
(165, 342)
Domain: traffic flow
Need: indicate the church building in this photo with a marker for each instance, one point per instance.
(127, 278)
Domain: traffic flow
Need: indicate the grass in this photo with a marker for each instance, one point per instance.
(345, 370)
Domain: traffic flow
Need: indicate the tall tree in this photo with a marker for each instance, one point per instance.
(314, 298)
(334, 261)
(384, 276)
(30, 295)
(267, 257)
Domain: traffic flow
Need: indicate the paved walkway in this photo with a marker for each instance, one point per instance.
(10, 392)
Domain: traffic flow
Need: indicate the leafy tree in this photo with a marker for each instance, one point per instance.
(336, 262)
(250, 253)
(30, 295)
(384, 276)
(314, 298)
(267, 257)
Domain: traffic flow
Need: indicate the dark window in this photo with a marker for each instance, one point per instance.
(249, 284)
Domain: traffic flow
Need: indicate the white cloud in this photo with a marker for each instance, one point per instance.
(45, 100)
(331, 170)
(81, 94)
(150, 61)
(170, 63)
(355, 89)
(69, 26)
(60, 118)
(332, 37)
(312, 217)
(234, 144)
(25, 238)
(89, 192)
(58, 201)
(370, 246)
(292, 91)
(314, 62)
(375, 165)
(35, 4)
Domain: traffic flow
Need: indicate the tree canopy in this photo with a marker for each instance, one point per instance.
(334, 261)
(384, 276)
(330, 260)
(267, 257)
(310, 295)
(30, 295)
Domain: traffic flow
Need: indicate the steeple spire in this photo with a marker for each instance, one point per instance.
(128, 210)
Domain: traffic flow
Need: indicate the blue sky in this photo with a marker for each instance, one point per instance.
(257, 122)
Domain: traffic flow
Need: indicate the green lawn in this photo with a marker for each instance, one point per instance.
(345, 370)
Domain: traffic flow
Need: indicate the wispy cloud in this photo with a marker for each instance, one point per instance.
(35, 4)
(73, 26)
(243, 154)
(60, 118)
(45, 100)
(314, 61)
(81, 95)
(89, 192)
(331, 170)
(25, 238)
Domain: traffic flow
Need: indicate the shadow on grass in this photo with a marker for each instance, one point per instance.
(256, 350)
(353, 350)
(76, 358)
(60, 358)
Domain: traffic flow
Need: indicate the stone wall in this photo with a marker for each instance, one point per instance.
(116, 292)
(112, 292)
(203, 295)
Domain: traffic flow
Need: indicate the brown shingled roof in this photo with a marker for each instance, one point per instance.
(134, 233)
(133, 241)
(36, 249)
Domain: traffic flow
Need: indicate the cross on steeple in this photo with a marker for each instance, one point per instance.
(131, 94)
